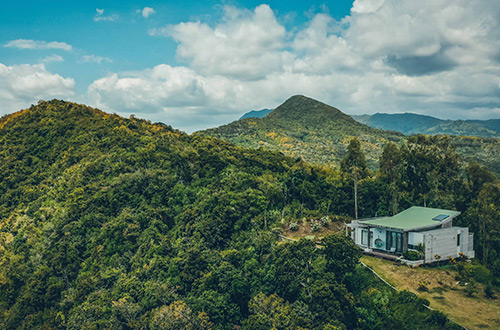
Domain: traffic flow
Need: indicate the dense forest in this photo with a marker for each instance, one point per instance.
(108, 222)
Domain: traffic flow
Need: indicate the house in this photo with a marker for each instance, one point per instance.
(432, 228)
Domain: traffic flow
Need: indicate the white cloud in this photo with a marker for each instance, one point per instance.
(150, 90)
(433, 57)
(37, 44)
(99, 16)
(146, 11)
(245, 45)
(366, 6)
(53, 58)
(22, 85)
(96, 59)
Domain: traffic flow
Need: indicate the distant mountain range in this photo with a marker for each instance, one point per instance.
(411, 123)
(256, 113)
(319, 133)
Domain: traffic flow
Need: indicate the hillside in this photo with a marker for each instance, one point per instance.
(106, 220)
(411, 123)
(303, 127)
(115, 223)
(444, 292)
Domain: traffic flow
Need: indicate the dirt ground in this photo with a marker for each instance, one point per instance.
(305, 230)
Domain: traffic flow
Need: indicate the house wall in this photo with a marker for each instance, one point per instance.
(415, 238)
(379, 233)
(443, 242)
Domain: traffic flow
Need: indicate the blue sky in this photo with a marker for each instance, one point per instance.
(199, 64)
(123, 40)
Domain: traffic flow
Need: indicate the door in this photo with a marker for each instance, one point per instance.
(394, 241)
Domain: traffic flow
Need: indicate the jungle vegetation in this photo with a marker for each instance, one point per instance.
(116, 223)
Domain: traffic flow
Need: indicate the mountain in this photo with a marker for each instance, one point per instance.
(410, 123)
(115, 223)
(108, 222)
(256, 113)
(303, 127)
(319, 133)
(492, 124)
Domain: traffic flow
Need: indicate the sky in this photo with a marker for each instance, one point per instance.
(199, 64)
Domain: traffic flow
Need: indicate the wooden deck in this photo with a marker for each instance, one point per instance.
(382, 255)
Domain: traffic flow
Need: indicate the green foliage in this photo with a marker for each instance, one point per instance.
(325, 221)
(316, 225)
(411, 255)
(488, 291)
(470, 289)
(293, 226)
(107, 222)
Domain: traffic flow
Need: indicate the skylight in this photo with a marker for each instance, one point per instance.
(440, 217)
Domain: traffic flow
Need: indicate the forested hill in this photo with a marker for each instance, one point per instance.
(304, 127)
(114, 223)
(319, 133)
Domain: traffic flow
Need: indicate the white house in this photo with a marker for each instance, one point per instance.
(433, 228)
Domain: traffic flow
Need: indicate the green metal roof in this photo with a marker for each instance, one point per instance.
(415, 217)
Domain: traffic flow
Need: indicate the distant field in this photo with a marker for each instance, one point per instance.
(445, 294)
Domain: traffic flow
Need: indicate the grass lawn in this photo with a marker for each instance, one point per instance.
(443, 291)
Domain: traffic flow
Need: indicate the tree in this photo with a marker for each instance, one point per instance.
(390, 172)
(483, 219)
(354, 167)
(341, 254)
(178, 316)
(477, 176)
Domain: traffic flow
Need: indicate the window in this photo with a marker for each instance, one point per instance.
(364, 237)
(458, 239)
(394, 241)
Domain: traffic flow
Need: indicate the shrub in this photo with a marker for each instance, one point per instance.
(470, 289)
(482, 274)
(293, 226)
(316, 226)
(488, 291)
(422, 286)
(411, 255)
(326, 221)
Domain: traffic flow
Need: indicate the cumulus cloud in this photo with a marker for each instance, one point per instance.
(150, 90)
(433, 57)
(99, 16)
(37, 44)
(146, 11)
(22, 85)
(245, 45)
(95, 59)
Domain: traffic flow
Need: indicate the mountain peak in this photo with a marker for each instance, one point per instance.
(305, 127)
(299, 107)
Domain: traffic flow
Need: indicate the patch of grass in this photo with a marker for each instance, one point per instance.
(440, 289)
(445, 294)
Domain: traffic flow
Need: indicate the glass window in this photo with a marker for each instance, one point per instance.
(364, 237)
(394, 241)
